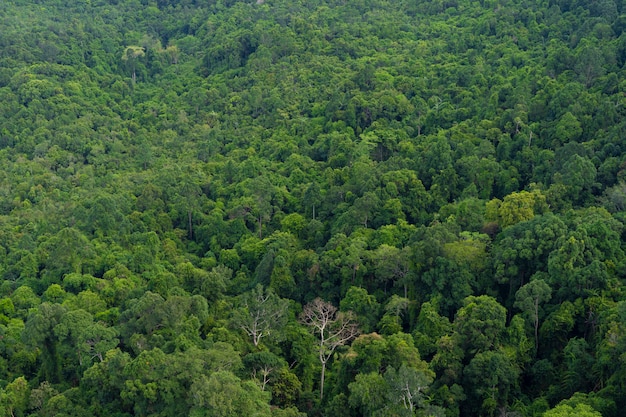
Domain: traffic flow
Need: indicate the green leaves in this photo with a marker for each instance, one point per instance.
(367, 393)
(160, 162)
(492, 376)
(564, 410)
(14, 398)
(261, 312)
(528, 299)
(224, 395)
(401, 392)
(480, 323)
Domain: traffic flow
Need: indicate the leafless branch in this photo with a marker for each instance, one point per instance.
(332, 328)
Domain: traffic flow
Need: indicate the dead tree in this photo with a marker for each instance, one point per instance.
(332, 328)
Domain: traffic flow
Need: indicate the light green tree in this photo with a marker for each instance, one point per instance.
(564, 410)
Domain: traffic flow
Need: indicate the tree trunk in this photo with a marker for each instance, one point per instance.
(536, 324)
(189, 219)
(322, 381)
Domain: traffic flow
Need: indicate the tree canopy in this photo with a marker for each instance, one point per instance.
(288, 208)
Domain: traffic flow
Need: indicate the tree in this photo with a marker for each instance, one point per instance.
(66, 252)
(286, 388)
(579, 266)
(24, 299)
(262, 365)
(261, 312)
(190, 195)
(105, 380)
(222, 394)
(14, 398)
(262, 192)
(130, 55)
(448, 282)
(564, 410)
(90, 340)
(480, 323)
(343, 258)
(523, 249)
(367, 353)
(528, 299)
(392, 265)
(312, 197)
(332, 328)
(521, 206)
(39, 334)
(391, 322)
(407, 387)
(568, 129)
(578, 176)
(490, 376)
(368, 393)
(430, 327)
(363, 305)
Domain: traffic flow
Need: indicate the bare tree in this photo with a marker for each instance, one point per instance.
(261, 312)
(332, 328)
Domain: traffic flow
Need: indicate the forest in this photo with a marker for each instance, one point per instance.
(289, 208)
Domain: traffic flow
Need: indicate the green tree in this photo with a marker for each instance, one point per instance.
(39, 334)
(522, 206)
(392, 265)
(578, 175)
(262, 365)
(480, 323)
(312, 198)
(564, 410)
(430, 327)
(368, 393)
(391, 321)
(408, 388)
(67, 251)
(523, 249)
(574, 270)
(286, 388)
(491, 377)
(190, 194)
(568, 129)
(14, 398)
(261, 312)
(131, 54)
(88, 339)
(363, 305)
(449, 283)
(23, 299)
(222, 394)
(262, 192)
(528, 299)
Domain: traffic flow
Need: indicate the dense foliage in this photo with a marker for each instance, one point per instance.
(202, 202)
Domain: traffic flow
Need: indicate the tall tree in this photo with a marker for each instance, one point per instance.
(332, 328)
(407, 389)
(528, 299)
(261, 313)
(131, 55)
